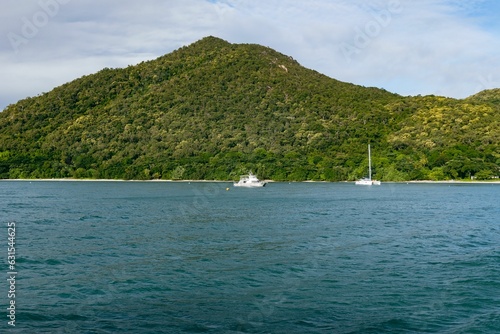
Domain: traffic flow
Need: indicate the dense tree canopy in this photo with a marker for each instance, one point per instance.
(215, 110)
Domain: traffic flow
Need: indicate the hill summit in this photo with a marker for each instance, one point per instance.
(215, 110)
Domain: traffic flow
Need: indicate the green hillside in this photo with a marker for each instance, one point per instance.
(215, 110)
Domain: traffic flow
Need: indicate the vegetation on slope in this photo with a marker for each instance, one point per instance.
(215, 110)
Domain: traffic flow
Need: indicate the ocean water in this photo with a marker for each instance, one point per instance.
(163, 257)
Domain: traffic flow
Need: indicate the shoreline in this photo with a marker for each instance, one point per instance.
(452, 182)
(267, 181)
(108, 180)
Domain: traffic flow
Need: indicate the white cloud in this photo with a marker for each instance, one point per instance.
(425, 47)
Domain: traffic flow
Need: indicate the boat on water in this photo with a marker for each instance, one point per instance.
(249, 181)
(367, 181)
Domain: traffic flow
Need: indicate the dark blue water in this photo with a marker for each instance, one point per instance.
(139, 257)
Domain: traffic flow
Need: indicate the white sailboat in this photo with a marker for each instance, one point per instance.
(368, 181)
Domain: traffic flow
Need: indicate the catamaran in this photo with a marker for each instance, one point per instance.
(368, 181)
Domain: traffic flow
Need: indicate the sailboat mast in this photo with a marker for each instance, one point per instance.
(369, 163)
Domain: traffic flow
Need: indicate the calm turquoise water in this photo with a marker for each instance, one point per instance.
(138, 257)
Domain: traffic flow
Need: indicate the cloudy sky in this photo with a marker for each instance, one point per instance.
(440, 47)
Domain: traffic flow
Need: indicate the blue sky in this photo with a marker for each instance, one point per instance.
(440, 47)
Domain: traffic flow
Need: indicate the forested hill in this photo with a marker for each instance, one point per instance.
(215, 110)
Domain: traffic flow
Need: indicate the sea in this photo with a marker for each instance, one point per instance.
(206, 257)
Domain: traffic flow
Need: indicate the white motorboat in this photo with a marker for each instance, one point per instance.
(249, 181)
(368, 181)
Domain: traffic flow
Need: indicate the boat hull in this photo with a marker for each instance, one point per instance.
(368, 182)
(258, 184)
